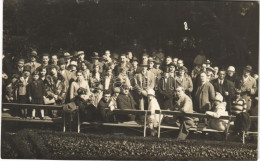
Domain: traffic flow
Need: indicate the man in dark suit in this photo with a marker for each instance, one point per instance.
(166, 89)
(125, 101)
(105, 115)
(225, 87)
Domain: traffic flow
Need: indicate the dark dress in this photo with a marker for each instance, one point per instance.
(36, 91)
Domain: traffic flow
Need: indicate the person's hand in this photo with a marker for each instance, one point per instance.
(55, 96)
(112, 108)
(4, 76)
(30, 99)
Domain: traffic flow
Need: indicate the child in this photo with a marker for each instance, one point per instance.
(11, 89)
(22, 95)
(238, 105)
(219, 110)
(36, 92)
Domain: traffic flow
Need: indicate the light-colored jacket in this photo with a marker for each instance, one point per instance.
(153, 119)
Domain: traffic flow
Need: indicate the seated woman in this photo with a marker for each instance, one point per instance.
(87, 111)
(80, 82)
(219, 110)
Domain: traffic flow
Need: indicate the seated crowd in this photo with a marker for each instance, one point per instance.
(152, 83)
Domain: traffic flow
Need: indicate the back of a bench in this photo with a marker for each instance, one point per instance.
(31, 106)
(130, 111)
(197, 115)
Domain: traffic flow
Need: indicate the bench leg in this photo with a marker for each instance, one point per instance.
(159, 126)
(145, 123)
(64, 122)
(243, 137)
(78, 123)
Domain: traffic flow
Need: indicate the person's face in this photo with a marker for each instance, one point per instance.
(216, 69)
(221, 75)
(123, 59)
(144, 70)
(43, 72)
(26, 73)
(63, 66)
(246, 73)
(181, 72)
(107, 53)
(45, 59)
(79, 76)
(126, 91)
(179, 92)
(53, 71)
(166, 75)
(180, 63)
(135, 63)
(151, 64)
(209, 72)
(33, 59)
(230, 73)
(130, 55)
(175, 61)
(81, 57)
(203, 77)
(145, 58)
(172, 69)
(83, 66)
(96, 68)
(73, 69)
(14, 80)
(20, 64)
(107, 97)
(35, 77)
(168, 60)
(54, 59)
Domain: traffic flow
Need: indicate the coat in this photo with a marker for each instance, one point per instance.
(68, 77)
(33, 68)
(204, 96)
(186, 82)
(36, 89)
(166, 92)
(184, 104)
(105, 115)
(139, 83)
(153, 119)
(243, 86)
(125, 102)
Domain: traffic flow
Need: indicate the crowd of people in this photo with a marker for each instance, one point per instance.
(124, 82)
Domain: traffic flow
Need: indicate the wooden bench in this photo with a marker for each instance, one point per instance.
(192, 115)
(129, 124)
(6, 117)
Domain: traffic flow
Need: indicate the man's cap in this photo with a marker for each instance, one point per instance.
(33, 54)
(135, 59)
(95, 56)
(248, 68)
(116, 90)
(67, 55)
(231, 68)
(76, 54)
(61, 61)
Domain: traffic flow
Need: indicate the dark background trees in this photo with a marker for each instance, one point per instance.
(224, 31)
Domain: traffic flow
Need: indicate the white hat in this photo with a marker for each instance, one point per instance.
(151, 92)
(231, 68)
(218, 97)
(73, 63)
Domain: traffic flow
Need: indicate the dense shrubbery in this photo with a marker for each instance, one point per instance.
(58, 145)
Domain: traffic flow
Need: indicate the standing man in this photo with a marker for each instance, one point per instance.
(225, 87)
(123, 64)
(231, 74)
(45, 62)
(33, 63)
(95, 61)
(54, 59)
(204, 95)
(247, 85)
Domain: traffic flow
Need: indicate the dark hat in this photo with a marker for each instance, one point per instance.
(95, 56)
(53, 66)
(15, 76)
(81, 91)
(33, 54)
(157, 61)
(76, 54)
(172, 64)
(27, 68)
(45, 54)
(61, 61)
(135, 59)
(248, 68)
(183, 68)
